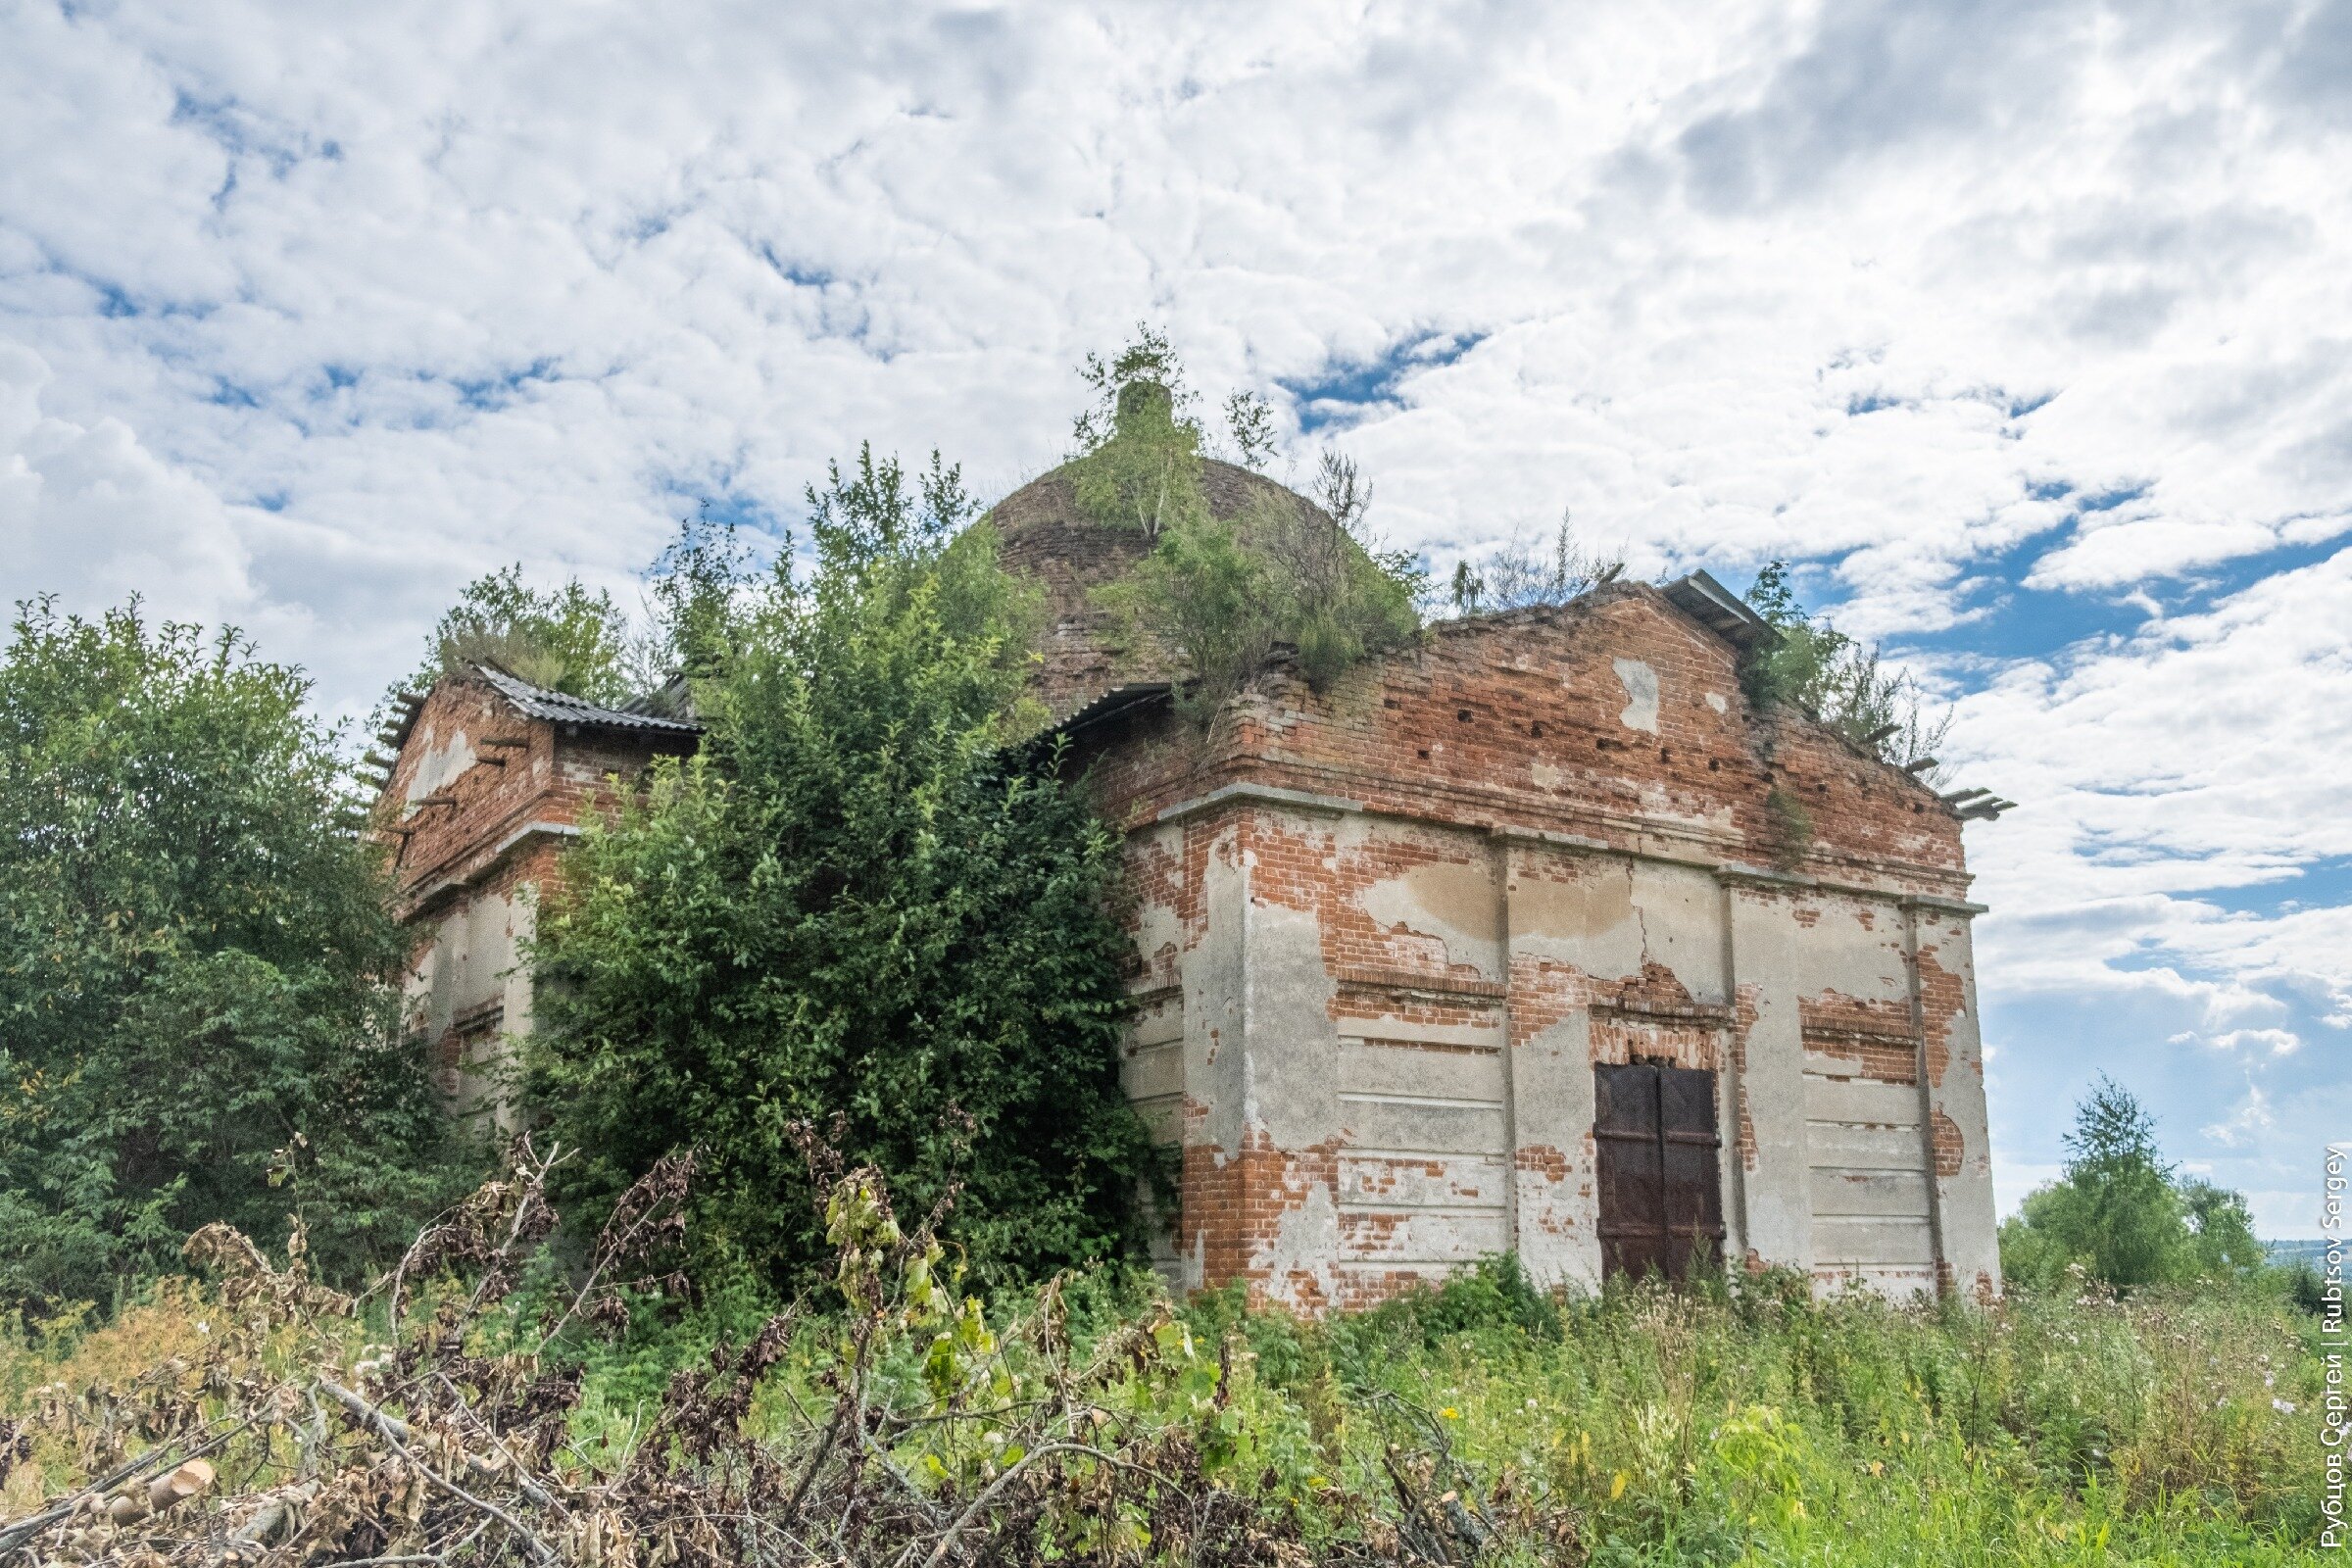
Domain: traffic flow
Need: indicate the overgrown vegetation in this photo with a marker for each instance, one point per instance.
(2123, 1215)
(1514, 576)
(472, 1408)
(1222, 594)
(855, 902)
(566, 638)
(198, 1003)
(1811, 666)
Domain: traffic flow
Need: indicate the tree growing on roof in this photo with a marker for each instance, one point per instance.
(853, 902)
(1514, 576)
(1810, 664)
(566, 638)
(1223, 593)
(197, 974)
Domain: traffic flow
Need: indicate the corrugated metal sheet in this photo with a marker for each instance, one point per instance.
(539, 702)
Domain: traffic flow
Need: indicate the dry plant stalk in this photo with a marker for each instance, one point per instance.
(291, 1441)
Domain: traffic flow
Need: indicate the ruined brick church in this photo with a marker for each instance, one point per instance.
(1504, 941)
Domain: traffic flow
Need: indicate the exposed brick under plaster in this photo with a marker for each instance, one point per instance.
(1518, 855)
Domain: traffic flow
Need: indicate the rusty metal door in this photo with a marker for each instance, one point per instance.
(1661, 1196)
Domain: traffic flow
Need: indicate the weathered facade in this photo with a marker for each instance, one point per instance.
(1532, 936)
(487, 780)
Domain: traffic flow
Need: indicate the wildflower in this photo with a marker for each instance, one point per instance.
(1451, 1413)
(2283, 1407)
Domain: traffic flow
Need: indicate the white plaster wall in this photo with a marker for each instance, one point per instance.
(475, 957)
(1608, 918)
(445, 757)
(1290, 1065)
(1971, 1240)
(1765, 947)
(1266, 1065)
(1214, 1046)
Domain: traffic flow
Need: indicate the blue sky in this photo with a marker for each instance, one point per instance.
(2020, 327)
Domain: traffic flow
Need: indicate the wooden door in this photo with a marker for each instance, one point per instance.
(1661, 1195)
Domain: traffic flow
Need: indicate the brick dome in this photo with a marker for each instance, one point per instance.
(1049, 539)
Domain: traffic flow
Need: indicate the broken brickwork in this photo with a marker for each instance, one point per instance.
(1392, 928)
(1386, 932)
(483, 792)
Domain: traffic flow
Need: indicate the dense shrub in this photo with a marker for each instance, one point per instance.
(855, 903)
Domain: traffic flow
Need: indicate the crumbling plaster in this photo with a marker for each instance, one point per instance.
(1403, 960)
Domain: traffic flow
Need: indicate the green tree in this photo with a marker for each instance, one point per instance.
(1810, 664)
(2120, 1211)
(1223, 593)
(1138, 462)
(197, 975)
(694, 584)
(855, 901)
(566, 638)
(2221, 1228)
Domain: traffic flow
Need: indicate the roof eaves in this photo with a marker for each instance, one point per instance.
(537, 702)
(1119, 700)
(1713, 605)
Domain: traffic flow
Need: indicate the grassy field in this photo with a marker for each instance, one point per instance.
(1766, 1427)
(1093, 1423)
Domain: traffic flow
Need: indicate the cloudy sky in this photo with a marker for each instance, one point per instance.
(2027, 328)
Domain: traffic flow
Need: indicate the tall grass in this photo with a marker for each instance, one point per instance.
(1758, 1425)
(1734, 1422)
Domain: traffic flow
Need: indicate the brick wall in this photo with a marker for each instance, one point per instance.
(1517, 721)
(1608, 731)
(475, 811)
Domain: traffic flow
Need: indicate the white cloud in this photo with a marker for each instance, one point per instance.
(2020, 322)
(2276, 1041)
(94, 516)
(2251, 1120)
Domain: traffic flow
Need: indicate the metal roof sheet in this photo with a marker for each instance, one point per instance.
(1713, 605)
(538, 702)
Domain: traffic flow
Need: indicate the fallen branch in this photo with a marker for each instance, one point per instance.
(168, 1491)
(394, 1431)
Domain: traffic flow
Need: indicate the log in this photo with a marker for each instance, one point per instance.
(166, 1490)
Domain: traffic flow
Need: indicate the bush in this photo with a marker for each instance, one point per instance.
(1223, 593)
(855, 903)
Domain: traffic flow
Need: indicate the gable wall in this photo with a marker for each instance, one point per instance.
(1616, 719)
